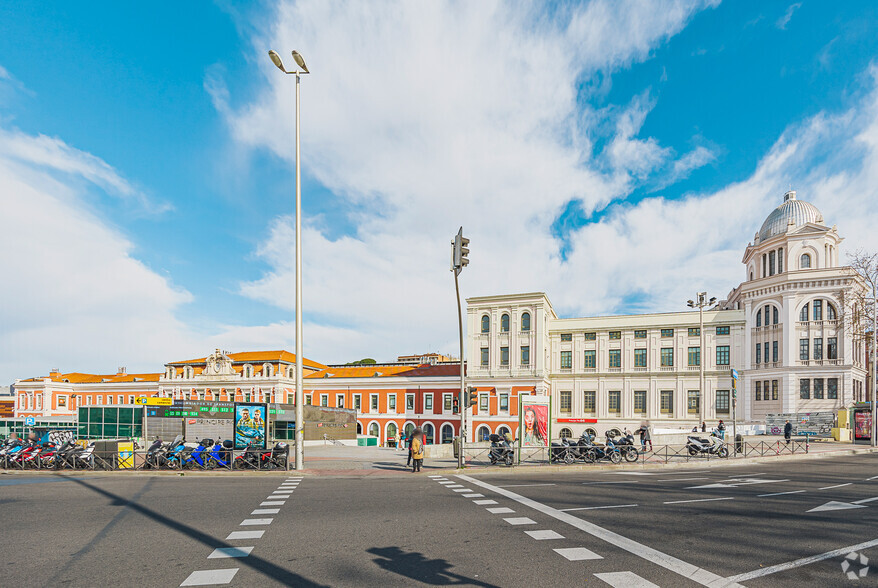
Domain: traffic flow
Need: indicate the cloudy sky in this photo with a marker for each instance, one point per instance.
(616, 155)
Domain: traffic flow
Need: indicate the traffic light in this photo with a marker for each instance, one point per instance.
(473, 396)
(460, 251)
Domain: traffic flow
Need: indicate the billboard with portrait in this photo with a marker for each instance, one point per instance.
(533, 429)
(862, 425)
(250, 423)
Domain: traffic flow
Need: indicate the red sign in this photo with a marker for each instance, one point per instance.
(577, 420)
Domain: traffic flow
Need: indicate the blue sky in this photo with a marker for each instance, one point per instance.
(555, 137)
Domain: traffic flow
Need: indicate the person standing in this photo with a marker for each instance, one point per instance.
(703, 427)
(644, 437)
(721, 427)
(417, 446)
(409, 438)
(398, 439)
(787, 432)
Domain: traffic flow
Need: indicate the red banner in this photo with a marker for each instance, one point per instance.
(577, 420)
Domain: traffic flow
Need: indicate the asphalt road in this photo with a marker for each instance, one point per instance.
(748, 525)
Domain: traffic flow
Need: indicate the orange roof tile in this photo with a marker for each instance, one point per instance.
(386, 371)
(80, 378)
(258, 357)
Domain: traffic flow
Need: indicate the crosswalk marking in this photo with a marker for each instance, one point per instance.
(265, 511)
(500, 510)
(210, 577)
(245, 535)
(520, 521)
(543, 535)
(625, 580)
(248, 522)
(221, 552)
(483, 502)
(577, 553)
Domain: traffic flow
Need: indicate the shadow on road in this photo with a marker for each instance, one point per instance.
(262, 566)
(435, 572)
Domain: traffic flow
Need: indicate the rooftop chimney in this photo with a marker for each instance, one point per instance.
(122, 371)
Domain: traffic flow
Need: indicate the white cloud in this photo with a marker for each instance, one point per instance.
(784, 20)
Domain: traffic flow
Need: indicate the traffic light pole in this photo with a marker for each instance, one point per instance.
(462, 402)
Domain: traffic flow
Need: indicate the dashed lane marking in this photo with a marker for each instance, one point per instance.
(520, 521)
(473, 495)
(597, 507)
(577, 553)
(454, 486)
(500, 510)
(678, 566)
(781, 493)
(866, 500)
(463, 489)
(448, 482)
(264, 511)
(210, 577)
(802, 562)
(251, 522)
(245, 535)
(273, 503)
(543, 535)
(635, 473)
(614, 482)
(222, 552)
(625, 580)
(435, 477)
(872, 478)
(483, 502)
(524, 485)
(836, 486)
(700, 500)
(681, 479)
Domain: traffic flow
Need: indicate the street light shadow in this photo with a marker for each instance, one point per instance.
(434, 572)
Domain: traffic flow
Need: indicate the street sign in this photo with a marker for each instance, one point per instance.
(30, 421)
(734, 374)
(155, 401)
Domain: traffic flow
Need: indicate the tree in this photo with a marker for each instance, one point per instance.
(364, 361)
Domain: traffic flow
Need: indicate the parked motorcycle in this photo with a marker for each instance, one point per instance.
(500, 451)
(625, 444)
(592, 452)
(713, 445)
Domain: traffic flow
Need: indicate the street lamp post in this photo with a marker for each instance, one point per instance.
(459, 260)
(300, 396)
(874, 379)
(701, 301)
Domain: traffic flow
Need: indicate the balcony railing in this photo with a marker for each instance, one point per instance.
(667, 368)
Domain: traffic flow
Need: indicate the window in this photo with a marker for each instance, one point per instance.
(504, 323)
(640, 358)
(804, 351)
(640, 401)
(486, 324)
(357, 403)
(695, 356)
(694, 331)
(428, 402)
(591, 336)
(615, 358)
(767, 314)
(722, 330)
(818, 388)
(640, 334)
(771, 265)
(525, 355)
(504, 403)
(614, 402)
(410, 403)
(832, 388)
(447, 433)
(774, 351)
(818, 348)
(339, 400)
(590, 358)
(373, 430)
(818, 310)
(615, 334)
(759, 353)
(722, 402)
(758, 390)
(667, 402)
(803, 314)
(525, 321)
(566, 401)
(324, 400)
(446, 402)
(774, 316)
(830, 312)
(667, 357)
(131, 400)
(667, 333)
(307, 398)
(483, 403)
(693, 405)
(758, 319)
(484, 357)
(566, 433)
(804, 388)
(566, 336)
(832, 348)
(373, 403)
(804, 261)
(504, 356)
(566, 360)
(588, 402)
(774, 389)
(780, 261)
(722, 355)
(391, 402)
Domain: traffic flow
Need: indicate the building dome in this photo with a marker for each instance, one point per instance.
(791, 212)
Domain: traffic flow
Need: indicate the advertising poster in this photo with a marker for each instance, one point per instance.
(533, 430)
(250, 425)
(862, 425)
(126, 454)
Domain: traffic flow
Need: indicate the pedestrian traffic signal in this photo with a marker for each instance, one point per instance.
(460, 250)
(473, 396)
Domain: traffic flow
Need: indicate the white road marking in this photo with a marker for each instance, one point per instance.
(625, 580)
(577, 553)
(700, 500)
(454, 486)
(273, 503)
(543, 535)
(499, 510)
(448, 482)
(781, 493)
(619, 482)
(865, 500)
(221, 552)
(596, 507)
(250, 522)
(520, 521)
(524, 485)
(210, 577)
(474, 495)
(463, 489)
(435, 477)
(833, 505)
(678, 566)
(681, 479)
(737, 482)
(635, 473)
(836, 486)
(262, 511)
(802, 562)
(872, 478)
(245, 535)
(483, 502)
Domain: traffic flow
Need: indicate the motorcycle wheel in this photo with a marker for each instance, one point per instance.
(172, 464)
(631, 455)
(509, 460)
(615, 457)
(568, 458)
(724, 452)
(692, 451)
(590, 456)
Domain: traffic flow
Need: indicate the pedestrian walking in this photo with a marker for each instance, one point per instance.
(417, 450)
(787, 432)
(644, 437)
(409, 439)
(398, 439)
(721, 427)
(703, 427)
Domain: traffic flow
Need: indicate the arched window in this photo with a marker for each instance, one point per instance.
(428, 433)
(486, 324)
(831, 315)
(804, 261)
(359, 428)
(803, 314)
(291, 371)
(751, 276)
(817, 305)
(767, 316)
(447, 433)
(391, 430)
(483, 433)
(758, 318)
(525, 321)
(504, 323)
(373, 430)
(774, 316)
(502, 430)
(408, 428)
(267, 370)
(566, 433)
(248, 371)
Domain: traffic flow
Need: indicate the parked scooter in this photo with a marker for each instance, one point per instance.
(592, 452)
(199, 456)
(625, 444)
(501, 451)
(221, 454)
(713, 445)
